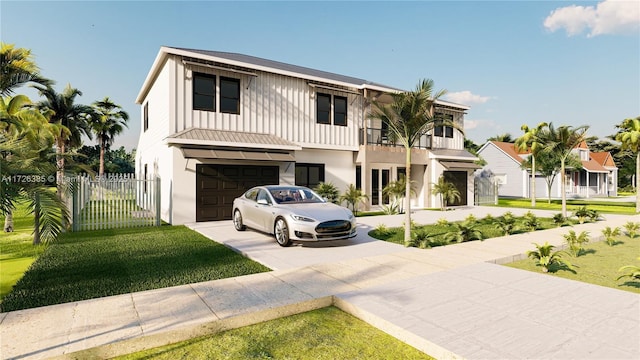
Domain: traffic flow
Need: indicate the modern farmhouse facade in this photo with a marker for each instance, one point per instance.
(215, 124)
(597, 178)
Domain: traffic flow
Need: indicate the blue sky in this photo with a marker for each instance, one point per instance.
(514, 62)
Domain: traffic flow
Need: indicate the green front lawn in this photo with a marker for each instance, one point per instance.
(17, 252)
(92, 264)
(599, 265)
(603, 206)
(326, 333)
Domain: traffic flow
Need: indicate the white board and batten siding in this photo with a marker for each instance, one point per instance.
(269, 103)
(152, 150)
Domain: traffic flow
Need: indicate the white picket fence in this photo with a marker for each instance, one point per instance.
(113, 201)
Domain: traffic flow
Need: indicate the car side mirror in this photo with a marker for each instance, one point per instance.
(263, 202)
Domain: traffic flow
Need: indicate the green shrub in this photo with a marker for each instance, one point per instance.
(506, 223)
(575, 242)
(545, 257)
(559, 219)
(443, 222)
(531, 222)
(610, 234)
(464, 231)
(328, 191)
(632, 228)
(633, 272)
(471, 218)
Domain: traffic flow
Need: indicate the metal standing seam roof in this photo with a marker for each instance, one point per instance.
(253, 60)
(198, 136)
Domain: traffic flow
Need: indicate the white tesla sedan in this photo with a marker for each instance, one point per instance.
(292, 213)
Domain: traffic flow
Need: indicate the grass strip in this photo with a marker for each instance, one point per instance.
(92, 264)
(603, 206)
(599, 265)
(327, 333)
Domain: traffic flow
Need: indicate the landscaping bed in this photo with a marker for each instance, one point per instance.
(444, 232)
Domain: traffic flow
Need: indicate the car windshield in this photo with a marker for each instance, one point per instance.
(294, 195)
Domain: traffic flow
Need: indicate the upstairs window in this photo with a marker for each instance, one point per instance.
(340, 110)
(204, 92)
(323, 109)
(229, 95)
(448, 131)
(331, 109)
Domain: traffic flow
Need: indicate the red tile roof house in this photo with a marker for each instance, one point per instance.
(215, 124)
(597, 178)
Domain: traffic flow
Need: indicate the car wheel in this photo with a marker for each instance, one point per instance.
(281, 232)
(237, 221)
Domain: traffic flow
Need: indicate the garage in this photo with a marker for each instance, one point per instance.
(459, 180)
(218, 185)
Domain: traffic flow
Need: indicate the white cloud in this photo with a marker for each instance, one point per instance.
(466, 98)
(608, 17)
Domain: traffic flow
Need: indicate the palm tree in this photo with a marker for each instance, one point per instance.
(545, 256)
(447, 191)
(629, 136)
(328, 191)
(61, 109)
(561, 141)
(529, 141)
(408, 117)
(17, 68)
(110, 121)
(396, 189)
(506, 137)
(353, 197)
(25, 158)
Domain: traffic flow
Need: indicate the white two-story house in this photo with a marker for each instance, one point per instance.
(215, 124)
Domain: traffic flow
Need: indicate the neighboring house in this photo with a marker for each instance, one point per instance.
(215, 124)
(598, 176)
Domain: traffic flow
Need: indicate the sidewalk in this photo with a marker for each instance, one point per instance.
(450, 302)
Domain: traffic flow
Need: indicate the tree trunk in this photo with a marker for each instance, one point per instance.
(101, 172)
(8, 222)
(533, 181)
(60, 150)
(36, 220)
(407, 199)
(563, 180)
(637, 178)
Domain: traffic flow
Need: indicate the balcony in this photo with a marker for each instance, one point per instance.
(380, 136)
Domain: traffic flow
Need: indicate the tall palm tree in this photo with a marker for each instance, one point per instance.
(73, 118)
(561, 141)
(17, 68)
(409, 116)
(110, 121)
(529, 141)
(629, 136)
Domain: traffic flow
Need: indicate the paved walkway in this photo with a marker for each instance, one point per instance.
(450, 302)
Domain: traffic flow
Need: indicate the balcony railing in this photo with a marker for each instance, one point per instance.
(381, 137)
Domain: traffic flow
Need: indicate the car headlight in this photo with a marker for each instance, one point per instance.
(302, 218)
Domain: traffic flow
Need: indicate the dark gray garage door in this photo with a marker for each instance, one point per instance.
(218, 185)
(459, 180)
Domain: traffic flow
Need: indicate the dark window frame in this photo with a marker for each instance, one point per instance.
(308, 166)
(448, 132)
(336, 113)
(235, 97)
(197, 75)
(145, 116)
(323, 110)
